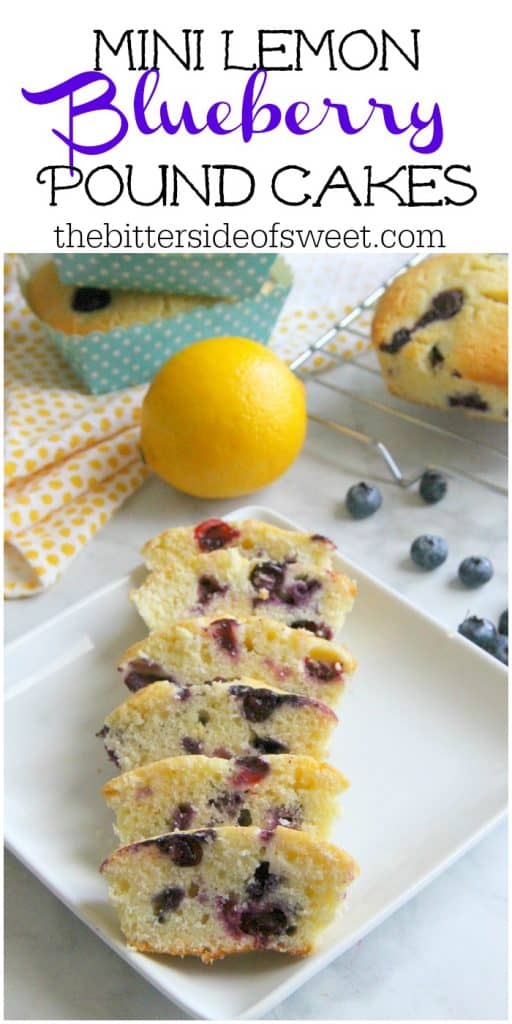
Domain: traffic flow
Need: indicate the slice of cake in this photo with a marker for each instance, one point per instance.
(219, 719)
(201, 792)
(253, 539)
(225, 583)
(195, 650)
(213, 892)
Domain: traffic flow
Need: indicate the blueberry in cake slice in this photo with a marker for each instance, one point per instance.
(191, 651)
(200, 792)
(224, 583)
(252, 538)
(440, 331)
(219, 719)
(213, 892)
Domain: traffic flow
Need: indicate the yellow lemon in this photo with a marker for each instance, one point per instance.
(222, 418)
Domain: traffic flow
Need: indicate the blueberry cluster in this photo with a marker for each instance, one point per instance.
(429, 551)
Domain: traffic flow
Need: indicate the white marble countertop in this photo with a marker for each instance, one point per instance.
(443, 955)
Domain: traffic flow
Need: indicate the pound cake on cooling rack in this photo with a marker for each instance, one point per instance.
(213, 892)
(251, 537)
(441, 332)
(196, 650)
(219, 719)
(225, 583)
(200, 792)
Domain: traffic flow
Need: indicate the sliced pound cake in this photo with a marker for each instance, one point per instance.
(196, 650)
(253, 539)
(213, 892)
(219, 719)
(200, 792)
(226, 583)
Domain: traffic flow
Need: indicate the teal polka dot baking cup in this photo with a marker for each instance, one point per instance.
(226, 275)
(126, 356)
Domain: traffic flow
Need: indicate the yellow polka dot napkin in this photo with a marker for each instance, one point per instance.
(71, 459)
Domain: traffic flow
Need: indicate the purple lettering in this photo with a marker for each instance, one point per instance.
(252, 93)
(103, 102)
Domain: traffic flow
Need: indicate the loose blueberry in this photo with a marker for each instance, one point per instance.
(501, 649)
(363, 500)
(88, 300)
(213, 534)
(475, 571)
(503, 623)
(224, 632)
(433, 486)
(481, 632)
(429, 551)
(166, 901)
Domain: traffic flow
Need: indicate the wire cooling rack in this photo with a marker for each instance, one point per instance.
(354, 324)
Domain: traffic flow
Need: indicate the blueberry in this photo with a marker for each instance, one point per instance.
(166, 901)
(503, 623)
(259, 705)
(208, 587)
(501, 649)
(363, 500)
(300, 592)
(262, 881)
(191, 745)
(433, 486)
(88, 300)
(184, 849)
(481, 632)
(263, 924)
(182, 817)
(475, 571)
(324, 671)
(268, 745)
(429, 551)
(268, 576)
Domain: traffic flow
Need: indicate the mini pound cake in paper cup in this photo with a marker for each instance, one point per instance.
(225, 275)
(115, 339)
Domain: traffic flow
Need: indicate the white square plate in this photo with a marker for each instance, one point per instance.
(422, 737)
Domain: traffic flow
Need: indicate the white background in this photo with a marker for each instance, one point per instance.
(463, 62)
